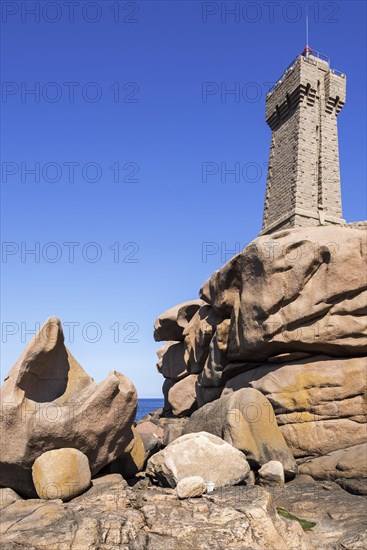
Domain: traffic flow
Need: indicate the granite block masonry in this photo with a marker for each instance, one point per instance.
(303, 182)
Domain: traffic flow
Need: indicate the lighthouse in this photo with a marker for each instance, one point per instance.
(303, 181)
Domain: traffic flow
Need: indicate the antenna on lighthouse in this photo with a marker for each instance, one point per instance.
(307, 25)
(306, 52)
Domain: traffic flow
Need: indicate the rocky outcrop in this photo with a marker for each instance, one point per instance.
(99, 518)
(198, 454)
(301, 290)
(338, 517)
(62, 473)
(49, 402)
(349, 463)
(169, 428)
(171, 324)
(246, 420)
(286, 316)
(319, 402)
(111, 515)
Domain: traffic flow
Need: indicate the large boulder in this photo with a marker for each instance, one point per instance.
(49, 402)
(200, 454)
(171, 324)
(182, 396)
(319, 402)
(246, 420)
(301, 290)
(61, 473)
(161, 351)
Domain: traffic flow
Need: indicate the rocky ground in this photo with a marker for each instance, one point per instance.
(264, 386)
(112, 515)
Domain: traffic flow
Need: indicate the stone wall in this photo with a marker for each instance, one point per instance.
(303, 183)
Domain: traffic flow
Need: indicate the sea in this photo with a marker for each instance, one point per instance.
(148, 405)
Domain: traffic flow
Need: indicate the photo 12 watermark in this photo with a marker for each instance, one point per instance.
(91, 332)
(70, 11)
(271, 250)
(53, 92)
(70, 252)
(221, 91)
(69, 171)
(250, 12)
(214, 172)
(254, 171)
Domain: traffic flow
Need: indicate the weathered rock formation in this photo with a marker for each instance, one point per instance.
(112, 515)
(171, 324)
(302, 290)
(319, 402)
(273, 358)
(287, 317)
(49, 402)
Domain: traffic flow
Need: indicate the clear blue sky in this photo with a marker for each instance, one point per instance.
(137, 103)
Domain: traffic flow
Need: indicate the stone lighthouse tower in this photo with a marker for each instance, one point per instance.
(303, 183)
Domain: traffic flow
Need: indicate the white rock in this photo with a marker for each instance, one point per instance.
(189, 487)
(199, 454)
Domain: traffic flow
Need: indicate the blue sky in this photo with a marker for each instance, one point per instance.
(129, 132)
